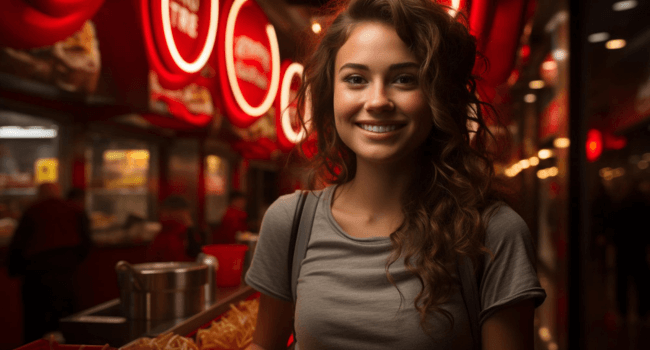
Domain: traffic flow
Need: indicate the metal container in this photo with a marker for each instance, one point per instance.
(161, 291)
(213, 266)
(250, 239)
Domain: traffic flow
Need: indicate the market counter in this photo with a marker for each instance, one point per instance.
(105, 323)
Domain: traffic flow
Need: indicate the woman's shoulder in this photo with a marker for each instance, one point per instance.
(504, 223)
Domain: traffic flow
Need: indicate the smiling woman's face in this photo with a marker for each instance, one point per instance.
(380, 110)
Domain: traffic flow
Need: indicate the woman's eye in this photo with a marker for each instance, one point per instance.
(406, 80)
(354, 79)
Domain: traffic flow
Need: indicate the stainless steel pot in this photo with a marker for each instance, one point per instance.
(250, 239)
(161, 291)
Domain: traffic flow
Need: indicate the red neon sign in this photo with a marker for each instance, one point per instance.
(180, 37)
(249, 62)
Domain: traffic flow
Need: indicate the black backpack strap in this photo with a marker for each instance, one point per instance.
(294, 234)
(300, 232)
(470, 293)
(302, 239)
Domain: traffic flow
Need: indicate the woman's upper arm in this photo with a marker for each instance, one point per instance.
(510, 328)
(274, 323)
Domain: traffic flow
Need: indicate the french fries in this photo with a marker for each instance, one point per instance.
(233, 331)
(167, 341)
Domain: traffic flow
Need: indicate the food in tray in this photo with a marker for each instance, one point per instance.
(167, 341)
(232, 331)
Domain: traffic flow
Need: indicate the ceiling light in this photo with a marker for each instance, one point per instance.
(316, 28)
(17, 132)
(598, 37)
(536, 84)
(534, 161)
(615, 44)
(624, 5)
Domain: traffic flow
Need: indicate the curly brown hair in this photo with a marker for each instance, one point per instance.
(443, 206)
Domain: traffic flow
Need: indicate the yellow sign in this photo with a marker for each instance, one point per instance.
(125, 168)
(46, 170)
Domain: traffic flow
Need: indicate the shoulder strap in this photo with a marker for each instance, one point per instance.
(469, 291)
(294, 234)
(306, 220)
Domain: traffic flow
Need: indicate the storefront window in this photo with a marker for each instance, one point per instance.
(29, 151)
(119, 176)
(216, 188)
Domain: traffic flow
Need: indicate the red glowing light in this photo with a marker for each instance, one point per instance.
(594, 146)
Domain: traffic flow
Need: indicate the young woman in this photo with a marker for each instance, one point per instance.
(409, 195)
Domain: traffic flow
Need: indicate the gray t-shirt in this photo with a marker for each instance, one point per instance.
(345, 300)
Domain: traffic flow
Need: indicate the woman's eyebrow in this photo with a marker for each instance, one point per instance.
(392, 67)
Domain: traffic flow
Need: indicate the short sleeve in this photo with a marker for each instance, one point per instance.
(268, 272)
(510, 275)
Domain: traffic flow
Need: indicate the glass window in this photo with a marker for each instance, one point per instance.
(119, 174)
(29, 155)
(216, 188)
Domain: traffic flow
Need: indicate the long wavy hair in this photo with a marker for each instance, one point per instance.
(445, 203)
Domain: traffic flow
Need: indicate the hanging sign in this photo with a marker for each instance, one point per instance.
(249, 62)
(180, 36)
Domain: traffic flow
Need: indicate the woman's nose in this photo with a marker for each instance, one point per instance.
(378, 100)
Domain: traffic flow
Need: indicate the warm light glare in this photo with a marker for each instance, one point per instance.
(615, 44)
(544, 334)
(524, 163)
(316, 28)
(646, 157)
(642, 164)
(534, 161)
(561, 142)
(530, 98)
(455, 4)
(624, 5)
(546, 173)
(536, 84)
(552, 346)
(545, 153)
(598, 37)
(604, 171)
(559, 54)
(549, 65)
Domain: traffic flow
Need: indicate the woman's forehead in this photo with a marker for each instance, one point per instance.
(373, 41)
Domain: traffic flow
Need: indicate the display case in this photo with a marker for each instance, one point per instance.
(121, 194)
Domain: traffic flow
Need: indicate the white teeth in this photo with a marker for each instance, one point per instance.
(379, 129)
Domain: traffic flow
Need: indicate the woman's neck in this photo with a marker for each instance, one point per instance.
(377, 188)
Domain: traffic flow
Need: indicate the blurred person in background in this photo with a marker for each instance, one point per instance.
(48, 245)
(233, 220)
(630, 237)
(178, 239)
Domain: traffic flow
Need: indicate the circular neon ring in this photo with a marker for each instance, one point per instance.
(230, 65)
(200, 61)
(289, 73)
